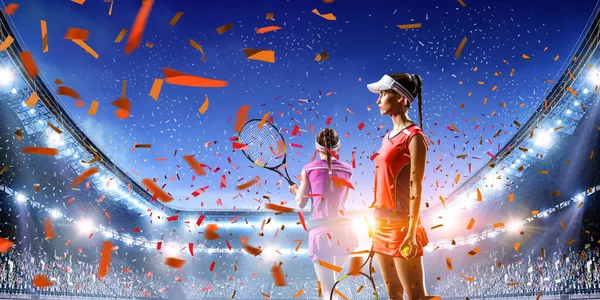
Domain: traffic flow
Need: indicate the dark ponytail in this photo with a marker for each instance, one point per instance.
(420, 95)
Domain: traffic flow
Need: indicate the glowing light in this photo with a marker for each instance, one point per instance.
(569, 112)
(107, 234)
(20, 198)
(85, 226)
(55, 214)
(514, 226)
(543, 138)
(55, 139)
(14, 91)
(579, 197)
(6, 77)
(586, 91)
(172, 250)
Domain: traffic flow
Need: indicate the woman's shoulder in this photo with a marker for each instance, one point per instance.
(344, 165)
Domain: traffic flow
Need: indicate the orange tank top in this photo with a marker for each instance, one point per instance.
(392, 170)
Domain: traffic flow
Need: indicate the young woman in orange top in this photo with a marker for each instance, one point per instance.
(398, 237)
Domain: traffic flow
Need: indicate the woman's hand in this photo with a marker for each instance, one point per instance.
(293, 189)
(408, 248)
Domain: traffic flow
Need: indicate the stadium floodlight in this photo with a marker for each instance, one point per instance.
(107, 234)
(579, 197)
(20, 198)
(586, 91)
(6, 76)
(594, 77)
(55, 139)
(55, 214)
(568, 112)
(543, 138)
(85, 226)
(14, 91)
(514, 226)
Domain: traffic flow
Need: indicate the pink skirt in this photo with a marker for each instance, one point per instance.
(331, 240)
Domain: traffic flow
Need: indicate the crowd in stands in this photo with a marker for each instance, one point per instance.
(575, 272)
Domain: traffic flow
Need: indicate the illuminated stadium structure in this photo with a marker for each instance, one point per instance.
(24, 212)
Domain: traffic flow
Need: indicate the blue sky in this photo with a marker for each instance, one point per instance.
(363, 44)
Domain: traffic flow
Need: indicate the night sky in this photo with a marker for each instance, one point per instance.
(363, 44)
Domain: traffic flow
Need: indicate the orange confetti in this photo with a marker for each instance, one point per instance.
(449, 264)
(11, 8)
(41, 281)
(266, 29)
(511, 197)
(460, 48)
(105, 257)
(259, 54)
(330, 266)
(322, 57)
(69, 92)
(5, 245)
(463, 4)
(196, 166)
(77, 34)
(93, 108)
(517, 245)
(6, 43)
(40, 151)
(279, 208)
(87, 48)
(175, 263)
(355, 263)
(137, 30)
(32, 100)
(204, 106)
(80, 2)
(199, 48)
(526, 57)
(339, 182)
(498, 225)
(176, 18)
(44, 29)
(299, 293)
(29, 64)
(278, 276)
(471, 223)
(85, 175)
(479, 197)
(156, 191)
(178, 78)
(121, 35)
(210, 232)
(247, 184)
(410, 26)
(224, 28)
(241, 117)
(328, 16)
(156, 87)
(48, 229)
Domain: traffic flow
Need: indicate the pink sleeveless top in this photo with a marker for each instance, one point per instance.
(328, 203)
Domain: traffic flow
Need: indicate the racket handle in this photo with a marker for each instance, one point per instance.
(290, 182)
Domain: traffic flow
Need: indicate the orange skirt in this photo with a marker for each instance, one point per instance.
(388, 236)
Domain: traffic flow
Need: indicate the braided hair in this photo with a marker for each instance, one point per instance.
(414, 84)
(328, 138)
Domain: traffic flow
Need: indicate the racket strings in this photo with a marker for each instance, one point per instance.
(265, 146)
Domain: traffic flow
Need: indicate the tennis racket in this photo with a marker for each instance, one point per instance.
(356, 282)
(265, 146)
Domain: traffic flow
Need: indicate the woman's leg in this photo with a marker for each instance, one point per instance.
(411, 275)
(326, 277)
(393, 284)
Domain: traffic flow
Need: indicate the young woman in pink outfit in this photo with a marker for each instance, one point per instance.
(330, 235)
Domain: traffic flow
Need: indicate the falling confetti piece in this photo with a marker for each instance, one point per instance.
(76, 34)
(279, 208)
(121, 35)
(199, 48)
(224, 28)
(328, 16)
(137, 29)
(330, 266)
(259, 54)
(410, 26)
(204, 106)
(44, 29)
(41, 281)
(156, 191)
(449, 264)
(48, 229)
(175, 18)
(29, 64)
(32, 100)
(105, 258)
(178, 78)
(40, 151)
(156, 87)
(463, 4)
(87, 48)
(11, 8)
(5, 245)
(266, 29)
(85, 175)
(6, 43)
(278, 276)
(174, 262)
(460, 48)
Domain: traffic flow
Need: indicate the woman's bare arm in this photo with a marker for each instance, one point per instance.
(418, 155)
